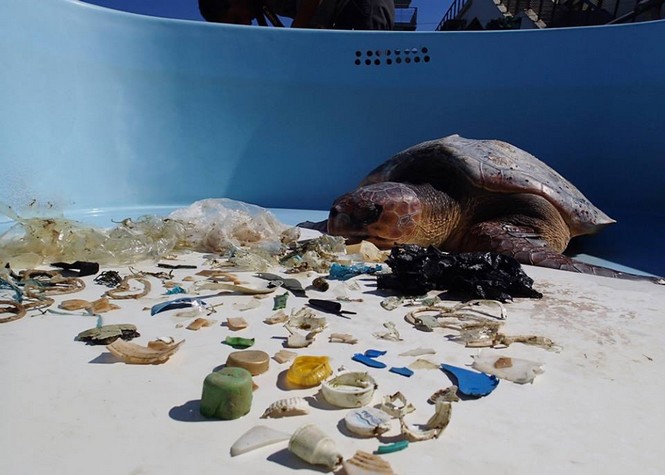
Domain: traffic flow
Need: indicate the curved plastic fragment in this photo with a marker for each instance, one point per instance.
(184, 302)
(257, 437)
(471, 383)
(403, 371)
(366, 360)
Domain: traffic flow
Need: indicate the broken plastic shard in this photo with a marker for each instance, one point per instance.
(404, 371)
(352, 389)
(392, 334)
(312, 445)
(418, 352)
(328, 306)
(342, 338)
(320, 284)
(343, 272)
(293, 406)
(394, 447)
(363, 463)
(392, 302)
(257, 437)
(366, 360)
(238, 343)
(368, 421)
(518, 370)
(471, 383)
(280, 301)
(284, 356)
(184, 302)
(448, 394)
(106, 334)
(308, 371)
(292, 285)
(434, 426)
(131, 353)
(396, 405)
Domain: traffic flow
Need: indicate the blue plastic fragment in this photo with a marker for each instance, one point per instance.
(471, 383)
(404, 371)
(375, 353)
(366, 360)
(176, 290)
(343, 272)
(394, 447)
(184, 302)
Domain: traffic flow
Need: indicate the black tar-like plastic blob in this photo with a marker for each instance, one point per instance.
(487, 275)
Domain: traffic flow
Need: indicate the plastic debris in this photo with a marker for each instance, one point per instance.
(366, 251)
(284, 356)
(342, 338)
(343, 272)
(309, 371)
(313, 254)
(422, 363)
(320, 284)
(375, 353)
(293, 406)
(101, 305)
(292, 285)
(417, 270)
(418, 352)
(368, 361)
(363, 463)
(305, 319)
(227, 394)
(352, 389)
(368, 421)
(448, 394)
(247, 305)
(136, 354)
(109, 278)
(236, 323)
(239, 343)
(124, 291)
(396, 405)
(106, 334)
(257, 437)
(312, 445)
(200, 323)
(278, 317)
(392, 334)
(517, 370)
(83, 268)
(176, 290)
(184, 302)
(403, 371)
(394, 447)
(329, 307)
(471, 383)
(434, 426)
(280, 301)
(392, 302)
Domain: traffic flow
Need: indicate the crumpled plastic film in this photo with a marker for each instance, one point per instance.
(222, 224)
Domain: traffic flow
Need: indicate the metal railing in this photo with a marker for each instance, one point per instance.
(454, 9)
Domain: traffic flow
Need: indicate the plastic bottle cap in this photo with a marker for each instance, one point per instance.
(254, 361)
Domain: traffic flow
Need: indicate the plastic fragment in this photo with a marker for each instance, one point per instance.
(517, 370)
(392, 302)
(434, 426)
(368, 421)
(486, 275)
(308, 371)
(422, 363)
(320, 284)
(184, 302)
(247, 305)
(280, 301)
(236, 323)
(471, 383)
(292, 285)
(329, 307)
(418, 352)
(392, 334)
(448, 394)
(396, 405)
(344, 272)
(404, 371)
(375, 353)
(342, 338)
(106, 334)
(394, 447)
(312, 445)
(238, 343)
(284, 356)
(176, 290)
(257, 437)
(293, 406)
(84, 268)
(131, 353)
(200, 323)
(366, 360)
(278, 317)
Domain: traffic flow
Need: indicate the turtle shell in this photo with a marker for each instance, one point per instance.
(453, 163)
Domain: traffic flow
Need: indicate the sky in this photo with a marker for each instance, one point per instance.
(429, 11)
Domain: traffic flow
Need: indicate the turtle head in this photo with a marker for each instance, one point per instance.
(383, 213)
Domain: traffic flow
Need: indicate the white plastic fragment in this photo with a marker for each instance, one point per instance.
(364, 463)
(352, 389)
(434, 426)
(293, 406)
(419, 352)
(517, 370)
(368, 421)
(312, 445)
(257, 437)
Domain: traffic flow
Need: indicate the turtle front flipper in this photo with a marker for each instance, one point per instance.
(528, 246)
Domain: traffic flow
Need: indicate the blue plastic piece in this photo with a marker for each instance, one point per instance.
(184, 302)
(366, 360)
(176, 290)
(404, 371)
(344, 272)
(375, 353)
(471, 383)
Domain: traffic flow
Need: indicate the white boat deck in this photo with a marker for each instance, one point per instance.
(73, 408)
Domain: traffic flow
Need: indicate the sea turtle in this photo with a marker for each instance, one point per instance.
(464, 195)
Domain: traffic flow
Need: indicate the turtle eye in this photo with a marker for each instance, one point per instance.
(368, 215)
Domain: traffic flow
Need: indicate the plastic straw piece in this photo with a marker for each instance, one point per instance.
(390, 448)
